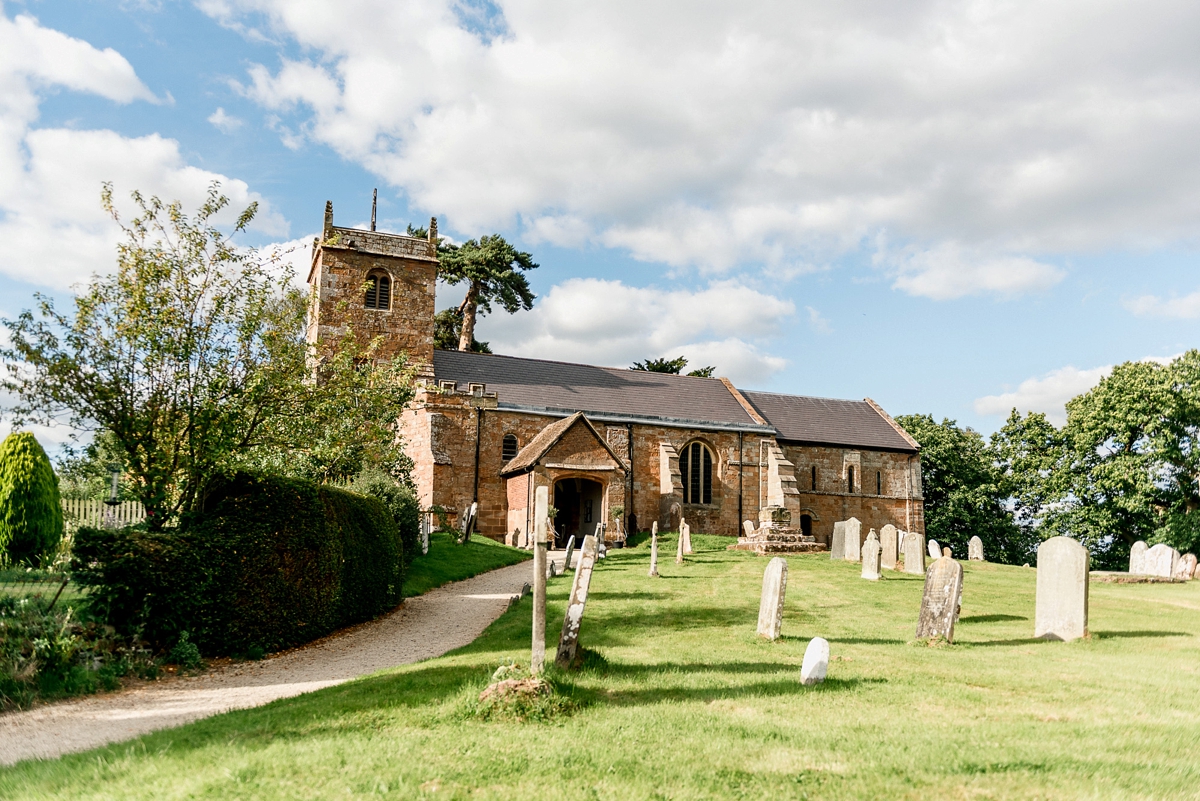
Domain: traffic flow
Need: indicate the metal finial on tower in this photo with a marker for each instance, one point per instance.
(374, 199)
(433, 229)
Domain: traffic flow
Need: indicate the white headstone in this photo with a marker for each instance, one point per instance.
(870, 559)
(816, 662)
(685, 534)
(853, 540)
(748, 527)
(935, 550)
(654, 553)
(1161, 561)
(1062, 590)
(941, 600)
(679, 548)
(914, 554)
(770, 605)
(1137, 558)
(570, 551)
(889, 544)
(1184, 567)
(568, 641)
(837, 547)
(975, 550)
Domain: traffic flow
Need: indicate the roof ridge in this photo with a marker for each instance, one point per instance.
(806, 397)
(621, 370)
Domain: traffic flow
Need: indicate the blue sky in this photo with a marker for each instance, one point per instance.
(951, 210)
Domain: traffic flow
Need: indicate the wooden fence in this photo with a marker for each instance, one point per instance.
(97, 513)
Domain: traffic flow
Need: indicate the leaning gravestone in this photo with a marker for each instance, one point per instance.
(568, 641)
(748, 527)
(685, 534)
(1161, 561)
(570, 552)
(1062, 590)
(889, 550)
(914, 554)
(975, 550)
(941, 600)
(1137, 558)
(870, 558)
(1185, 567)
(816, 662)
(770, 605)
(935, 550)
(837, 548)
(853, 540)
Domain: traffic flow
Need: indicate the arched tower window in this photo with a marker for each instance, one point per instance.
(814, 477)
(510, 447)
(379, 290)
(696, 468)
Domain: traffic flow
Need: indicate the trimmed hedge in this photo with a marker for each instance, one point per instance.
(400, 500)
(31, 516)
(271, 563)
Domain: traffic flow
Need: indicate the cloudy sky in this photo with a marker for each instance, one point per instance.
(953, 208)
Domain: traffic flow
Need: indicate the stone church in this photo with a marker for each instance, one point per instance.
(613, 446)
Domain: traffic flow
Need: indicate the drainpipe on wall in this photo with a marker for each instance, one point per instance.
(629, 478)
(478, 428)
(741, 471)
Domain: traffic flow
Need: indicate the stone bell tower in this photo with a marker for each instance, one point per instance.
(376, 284)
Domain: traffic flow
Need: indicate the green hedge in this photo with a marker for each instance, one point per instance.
(400, 500)
(31, 517)
(271, 563)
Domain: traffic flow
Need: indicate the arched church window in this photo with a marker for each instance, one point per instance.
(510, 448)
(379, 291)
(696, 468)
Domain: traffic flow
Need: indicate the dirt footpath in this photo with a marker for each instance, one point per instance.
(422, 628)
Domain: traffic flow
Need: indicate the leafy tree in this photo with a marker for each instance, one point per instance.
(31, 516)
(84, 473)
(447, 328)
(494, 272)
(1028, 453)
(964, 490)
(192, 357)
(672, 366)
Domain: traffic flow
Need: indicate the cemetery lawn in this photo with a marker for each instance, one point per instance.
(448, 561)
(681, 700)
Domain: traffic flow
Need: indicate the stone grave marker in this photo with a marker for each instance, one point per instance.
(425, 534)
(570, 552)
(816, 662)
(568, 641)
(770, 605)
(889, 547)
(935, 550)
(853, 540)
(1161, 561)
(975, 550)
(837, 548)
(685, 534)
(654, 550)
(1185, 567)
(1137, 558)
(914, 554)
(679, 549)
(748, 528)
(537, 660)
(941, 600)
(871, 553)
(1062, 590)
(947, 552)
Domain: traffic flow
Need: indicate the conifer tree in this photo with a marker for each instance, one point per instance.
(31, 517)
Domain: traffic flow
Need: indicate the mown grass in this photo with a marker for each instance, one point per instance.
(448, 561)
(681, 700)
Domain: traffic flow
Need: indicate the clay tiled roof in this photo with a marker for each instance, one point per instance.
(597, 391)
(540, 445)
(823, 421)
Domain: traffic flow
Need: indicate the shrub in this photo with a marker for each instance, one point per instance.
(31, 518)
(270, 563)
(400, 500)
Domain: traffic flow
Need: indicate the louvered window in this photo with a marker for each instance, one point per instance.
(379, 291)
(696, 468)
(510, 448)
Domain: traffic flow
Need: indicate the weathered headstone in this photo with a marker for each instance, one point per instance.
(941, 600)
(424, 535)
(853, 540)
(568, 641)
(570, 552)
(837, 548)
(1161, 561)
(679, 549)
(975, 550)
(748, 527)
(1137, 558)
(1062, 590)
(889, 545)
(935, 550)
(770, 605)
(1193, 564)
(685, 534)
(870, 558)
(1185, 567)
(816, 662)
(947, 552)
(654, 551)
(914, 554)
(537, 660)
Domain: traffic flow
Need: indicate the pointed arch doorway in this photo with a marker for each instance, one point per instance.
(580, 504)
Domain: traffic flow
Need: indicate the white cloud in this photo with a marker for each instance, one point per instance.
(55, 232)
(712, 135)
(1184, 308)
(595, 321)
(818, 322)
(224, 122)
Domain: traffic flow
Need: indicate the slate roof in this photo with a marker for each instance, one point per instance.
(547, 438)
(824, 421)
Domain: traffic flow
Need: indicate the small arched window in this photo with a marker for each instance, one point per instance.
(814, 477)
(696, 468)
(850, 479)
(878, 482)
(510, 448)
(379, 291)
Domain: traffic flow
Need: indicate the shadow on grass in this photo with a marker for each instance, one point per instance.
(627, 596)
(1115, 635)
(990, 618)
(868, 640)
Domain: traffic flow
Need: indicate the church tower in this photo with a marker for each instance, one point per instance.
(378, 284)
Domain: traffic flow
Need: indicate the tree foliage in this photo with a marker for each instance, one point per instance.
(192, 357)
(447, 329)
(494, 272)
(672, 366)
(31, 516)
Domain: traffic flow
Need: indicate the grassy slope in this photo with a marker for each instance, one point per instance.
(447, 561)
(692, 705)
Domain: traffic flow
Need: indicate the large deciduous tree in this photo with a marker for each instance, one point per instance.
(494, 272)
(192, 357)
(672, 367)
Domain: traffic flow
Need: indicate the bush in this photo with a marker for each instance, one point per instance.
(269, 564)
(31, 517)
(400, 500)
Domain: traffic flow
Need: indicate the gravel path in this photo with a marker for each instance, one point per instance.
(422, 628)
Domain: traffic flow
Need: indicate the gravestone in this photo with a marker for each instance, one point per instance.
(568, 641)
(1062, 590)
(941, 600)
(537, 659)
(853, 540)
(424, 535)
(1190, 558)
(685, 534)
(870, 558)
(947, 552)
(889, 544)
(1161, 561)
(975, 550)
(679, 549)
(748, 528)
(654, 552)
(770, 605)
(816, 662)
(1137, 558)
(570, 551)
(837, 548)
(935, 550)
(674, 517)
(1185, 567)
(914, 554)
